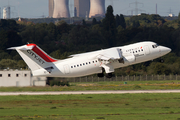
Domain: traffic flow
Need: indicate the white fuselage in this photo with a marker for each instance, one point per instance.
(87, 64)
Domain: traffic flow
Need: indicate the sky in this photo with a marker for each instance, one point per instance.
(39, 8)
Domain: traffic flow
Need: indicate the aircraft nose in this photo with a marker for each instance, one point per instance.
(165, 50)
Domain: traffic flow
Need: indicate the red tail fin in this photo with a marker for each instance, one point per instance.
(41, 53)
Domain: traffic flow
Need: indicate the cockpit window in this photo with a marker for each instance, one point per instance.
(155, 46)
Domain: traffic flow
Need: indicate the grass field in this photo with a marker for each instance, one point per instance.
(97, 107)
(111, 85)
(89, 107)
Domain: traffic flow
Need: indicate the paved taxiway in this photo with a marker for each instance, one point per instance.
(89, 92)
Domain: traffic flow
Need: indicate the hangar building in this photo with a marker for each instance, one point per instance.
(10, 78)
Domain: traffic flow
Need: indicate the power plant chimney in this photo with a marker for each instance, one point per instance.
(97, 8)
(6, 13)
(61, 9)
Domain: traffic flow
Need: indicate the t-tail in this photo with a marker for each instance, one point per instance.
(36, 59)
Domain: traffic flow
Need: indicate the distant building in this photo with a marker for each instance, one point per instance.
(171, 15)
(51, 8)
(61, 9)
(10, 78)
(82, 8)
(97, 8)
(22, 19)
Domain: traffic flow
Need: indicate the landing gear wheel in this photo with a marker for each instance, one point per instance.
(109, 75)
(100, 75)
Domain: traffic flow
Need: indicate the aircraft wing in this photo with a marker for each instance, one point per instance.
(108, 54)
(111, 54)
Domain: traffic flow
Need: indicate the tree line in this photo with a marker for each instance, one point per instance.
(61, 39)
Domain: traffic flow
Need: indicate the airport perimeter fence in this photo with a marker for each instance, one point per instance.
(125, 78)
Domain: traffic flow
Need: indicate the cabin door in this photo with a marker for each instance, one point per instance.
(66, 69)
(146, 48)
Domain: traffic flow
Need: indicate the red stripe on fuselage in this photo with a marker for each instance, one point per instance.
(41, 53)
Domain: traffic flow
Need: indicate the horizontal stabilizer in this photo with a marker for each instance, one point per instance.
(24, 47)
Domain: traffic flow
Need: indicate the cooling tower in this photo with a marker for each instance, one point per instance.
(61, 9)
(82, 7)
(51, 7)
(97, 8)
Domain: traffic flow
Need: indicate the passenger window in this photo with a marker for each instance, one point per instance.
(25, 75)
(17, 75)
(80, 64)
(86, 63)
(9, 75)
(93, 61)
(0, 75)
(77, 65)
(71, 66)
(141, 49)
(83, 63)
(96, 60)
(74, 66)
(89, 62)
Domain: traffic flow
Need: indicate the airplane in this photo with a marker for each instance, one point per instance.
(96, 62)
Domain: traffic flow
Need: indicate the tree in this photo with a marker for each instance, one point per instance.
(94, 21)
(122, 21)
(84, 22)
(117, 20)
(4, 63)
(136, 24)
(179, 16)
(51, 28)
(109, 25)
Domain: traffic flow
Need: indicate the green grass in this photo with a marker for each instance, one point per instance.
(110, 85)
(88, 107)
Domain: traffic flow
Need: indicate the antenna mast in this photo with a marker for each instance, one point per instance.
(136, 9)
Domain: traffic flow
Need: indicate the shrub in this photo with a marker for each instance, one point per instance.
(59, 83)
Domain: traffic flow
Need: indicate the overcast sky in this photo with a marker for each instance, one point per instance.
(38, 8)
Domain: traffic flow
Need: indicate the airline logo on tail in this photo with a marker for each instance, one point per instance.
(35, 56)
(39, 54)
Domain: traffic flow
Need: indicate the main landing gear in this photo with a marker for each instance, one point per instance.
(100, 75)
(108, 75)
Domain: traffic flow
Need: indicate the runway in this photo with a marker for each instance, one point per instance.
(89, 92)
